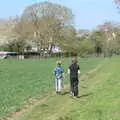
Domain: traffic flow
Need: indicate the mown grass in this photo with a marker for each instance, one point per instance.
(22, 80)
(99, 98)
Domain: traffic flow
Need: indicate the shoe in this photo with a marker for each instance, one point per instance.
(58, 93)
(71, 94)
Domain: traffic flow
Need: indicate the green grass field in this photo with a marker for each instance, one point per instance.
(22, 80)
(99, 97)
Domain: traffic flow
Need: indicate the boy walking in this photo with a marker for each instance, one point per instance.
(58, 72)
(74, 70)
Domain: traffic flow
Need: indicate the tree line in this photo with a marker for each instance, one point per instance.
(45, 25)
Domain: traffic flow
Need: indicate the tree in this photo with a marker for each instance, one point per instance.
(16, 38)
(109, 41)
(4, 31)
(68, 41)
(47, 20)
(72, 44)
(98, 39)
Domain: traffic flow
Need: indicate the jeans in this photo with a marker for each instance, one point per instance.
(74, 85)
(58, 84)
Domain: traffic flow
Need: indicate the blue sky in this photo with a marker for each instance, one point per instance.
(88, 13)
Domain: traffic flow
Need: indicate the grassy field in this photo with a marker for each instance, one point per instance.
(99, 97)
(22, 80)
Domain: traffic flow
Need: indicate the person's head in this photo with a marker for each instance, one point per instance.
(74, 60)
(59, 63)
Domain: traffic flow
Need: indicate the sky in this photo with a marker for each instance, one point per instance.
(88, 13)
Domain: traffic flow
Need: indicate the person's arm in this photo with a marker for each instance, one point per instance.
(54, 71)
(63, 73)
(68, 71)
(78, 70)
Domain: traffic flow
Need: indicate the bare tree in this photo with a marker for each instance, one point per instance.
(47, 20)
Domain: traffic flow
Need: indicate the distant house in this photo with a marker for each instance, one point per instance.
(83, 33)
(32, 47)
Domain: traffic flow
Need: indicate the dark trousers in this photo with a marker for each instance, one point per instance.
(74, 85)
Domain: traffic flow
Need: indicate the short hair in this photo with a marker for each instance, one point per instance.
(74, 60)
(59, 62)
